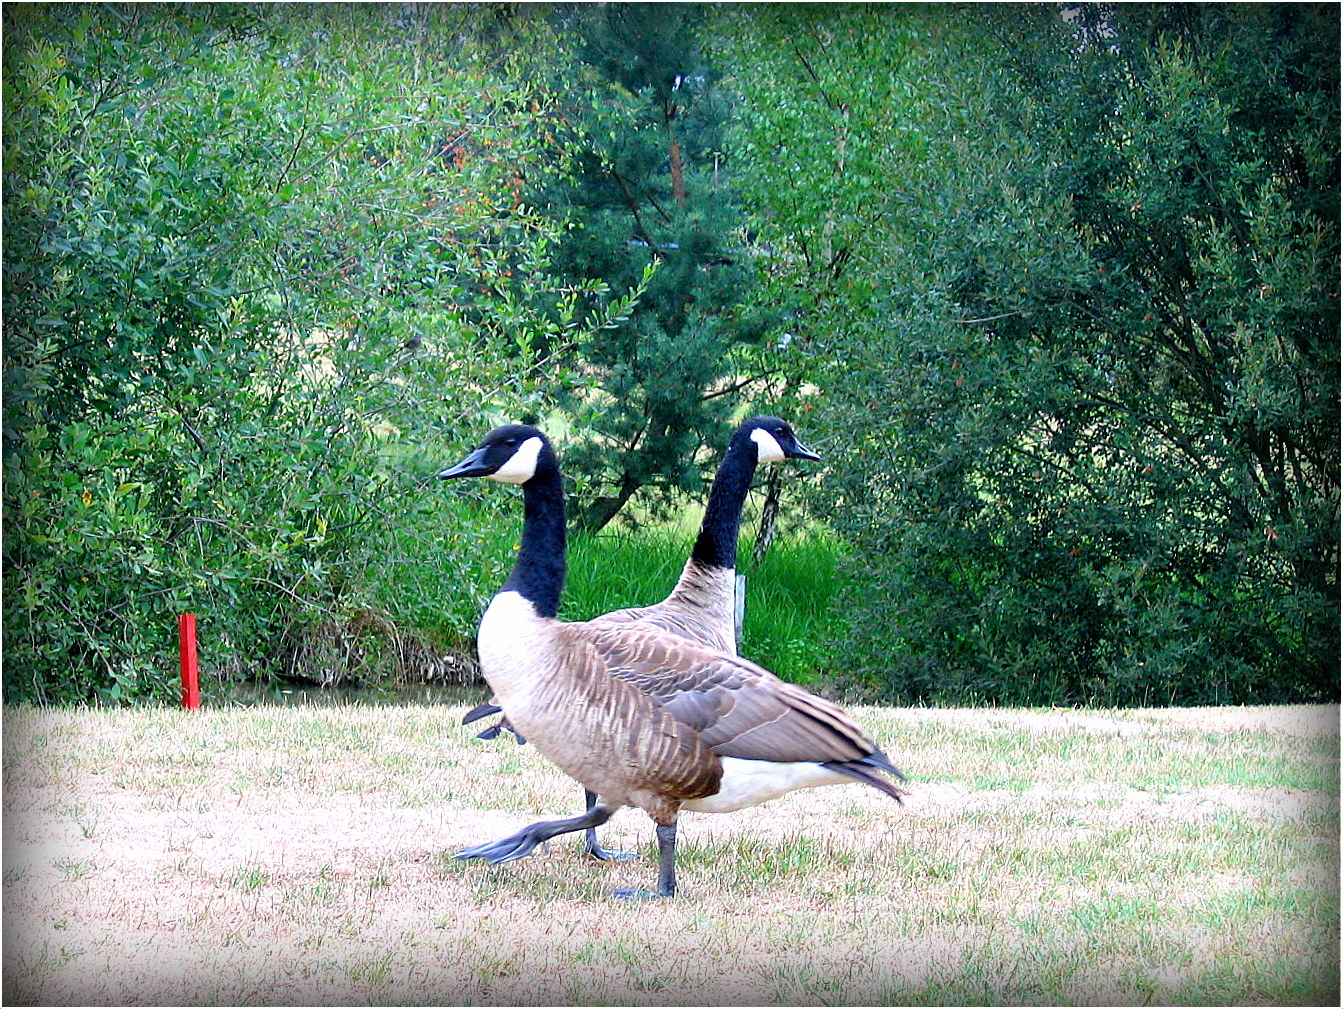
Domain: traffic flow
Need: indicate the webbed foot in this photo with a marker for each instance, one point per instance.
(590, 843)
(506, 849)
(608, 854)
(518, 845)
(633, 893)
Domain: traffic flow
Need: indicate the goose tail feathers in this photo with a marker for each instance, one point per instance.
(865, 770)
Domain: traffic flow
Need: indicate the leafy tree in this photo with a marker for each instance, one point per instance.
(1099, 333)
(822, 98)
(244, 249)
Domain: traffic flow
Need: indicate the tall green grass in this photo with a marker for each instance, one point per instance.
(448, 558)
(790, 624)
(793, 626)
(611, 571)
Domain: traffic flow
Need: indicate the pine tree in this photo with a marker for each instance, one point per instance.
(650, 188)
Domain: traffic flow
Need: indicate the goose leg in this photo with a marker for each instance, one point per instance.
(666, 868)
(590, 844)
(517, 845)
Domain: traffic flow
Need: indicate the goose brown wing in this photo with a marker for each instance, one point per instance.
(696, 625)
(700, 608)
(738, 708)
(590, 710)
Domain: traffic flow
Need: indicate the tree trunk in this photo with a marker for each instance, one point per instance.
(769, 517)
(678, 180)
(598, 512)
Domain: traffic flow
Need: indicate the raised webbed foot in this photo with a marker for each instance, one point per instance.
(506, 849)
(518, 845)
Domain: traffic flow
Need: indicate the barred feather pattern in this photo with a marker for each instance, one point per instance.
(643, 718)
(700, 608)
(738, 708)
(601, 731)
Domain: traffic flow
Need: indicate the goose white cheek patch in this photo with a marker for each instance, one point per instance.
(521, 465)
(767, 448)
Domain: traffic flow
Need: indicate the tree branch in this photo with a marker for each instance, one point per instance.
(634, 210)
(989, 318)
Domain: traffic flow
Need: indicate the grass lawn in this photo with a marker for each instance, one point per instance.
(284, 856)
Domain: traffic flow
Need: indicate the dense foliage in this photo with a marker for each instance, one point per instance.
(1073, 304)
(243, 249)
(1053, 288)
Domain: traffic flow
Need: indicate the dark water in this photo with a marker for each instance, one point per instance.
(289, 695)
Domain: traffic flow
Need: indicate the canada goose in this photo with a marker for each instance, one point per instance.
(701, 605)
(636, 714)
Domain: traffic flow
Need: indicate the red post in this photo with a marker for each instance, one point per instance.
(191, 686)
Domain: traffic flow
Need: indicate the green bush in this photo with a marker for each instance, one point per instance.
(243, 248)
(1066, 287)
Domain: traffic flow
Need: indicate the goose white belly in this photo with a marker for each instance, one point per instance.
(510, 638)
(751, 782)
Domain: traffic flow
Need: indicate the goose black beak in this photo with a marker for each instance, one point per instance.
(800, 451)
(473, 465)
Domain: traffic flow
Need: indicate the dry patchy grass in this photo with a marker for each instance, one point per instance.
(302, 856)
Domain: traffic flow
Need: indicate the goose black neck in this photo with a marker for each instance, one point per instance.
(538, 573)
(716, 545)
